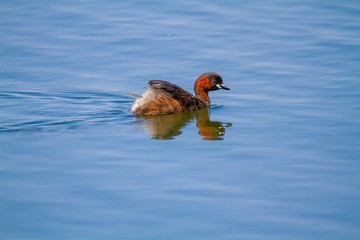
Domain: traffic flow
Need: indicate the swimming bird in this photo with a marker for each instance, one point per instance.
(166, 98)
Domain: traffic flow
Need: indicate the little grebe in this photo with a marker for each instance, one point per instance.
(166, 98)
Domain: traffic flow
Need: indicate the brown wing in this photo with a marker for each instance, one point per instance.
(184, 97)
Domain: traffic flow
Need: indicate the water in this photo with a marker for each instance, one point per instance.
(277, 157)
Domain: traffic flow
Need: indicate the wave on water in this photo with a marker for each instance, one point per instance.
(33, 111)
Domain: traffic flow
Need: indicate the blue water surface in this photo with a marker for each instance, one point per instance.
(276, 157)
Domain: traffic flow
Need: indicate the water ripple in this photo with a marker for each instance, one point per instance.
(29, 111)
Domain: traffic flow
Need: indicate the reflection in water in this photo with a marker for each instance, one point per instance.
(168, 126)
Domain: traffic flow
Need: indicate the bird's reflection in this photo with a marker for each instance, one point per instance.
(169, 126)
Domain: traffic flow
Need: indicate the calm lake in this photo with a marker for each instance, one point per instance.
(276, 157)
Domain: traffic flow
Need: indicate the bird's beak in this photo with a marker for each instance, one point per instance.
(223, 86)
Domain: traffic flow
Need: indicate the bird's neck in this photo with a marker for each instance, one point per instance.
(201, 89)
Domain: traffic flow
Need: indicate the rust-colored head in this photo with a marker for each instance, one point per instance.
(209, 81)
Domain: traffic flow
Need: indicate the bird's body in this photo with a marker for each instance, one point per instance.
(166, 98)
